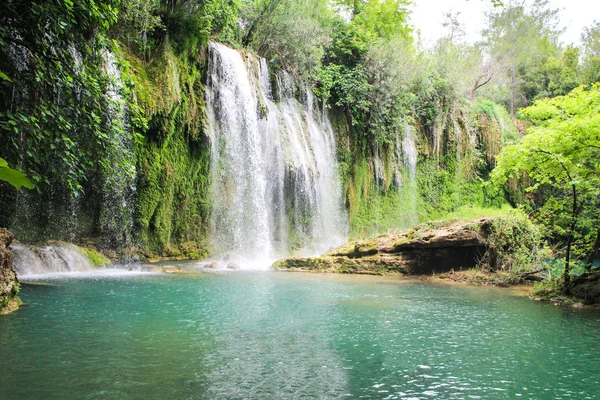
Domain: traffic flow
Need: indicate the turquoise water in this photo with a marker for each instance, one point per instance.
(291, 335)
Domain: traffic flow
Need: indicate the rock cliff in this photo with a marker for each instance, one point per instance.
(9, 284)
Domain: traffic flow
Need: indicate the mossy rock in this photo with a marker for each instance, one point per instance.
(587, 288)
(12, 305)
(97, 259)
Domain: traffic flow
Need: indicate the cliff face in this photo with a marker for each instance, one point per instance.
(151, 187)
(9, 284)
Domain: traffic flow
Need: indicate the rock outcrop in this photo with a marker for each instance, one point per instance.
(587, 287)
(427, 248)
(9, 284)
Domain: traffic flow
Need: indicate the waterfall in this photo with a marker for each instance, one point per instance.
(409, 150)
(275, 182)
(58, 257)
(409, 156)
(120, 173)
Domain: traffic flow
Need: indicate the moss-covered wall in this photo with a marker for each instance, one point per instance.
(451, 169)
(173, 158)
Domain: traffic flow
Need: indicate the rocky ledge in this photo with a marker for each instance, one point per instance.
(432, 247)
(9, 284)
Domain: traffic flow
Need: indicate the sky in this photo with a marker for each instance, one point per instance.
(428, 15)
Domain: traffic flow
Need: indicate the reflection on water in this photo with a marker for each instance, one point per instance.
(288, 335)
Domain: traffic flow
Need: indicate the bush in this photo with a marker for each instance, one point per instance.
(514, 244)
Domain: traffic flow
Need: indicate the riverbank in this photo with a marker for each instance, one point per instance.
(426, 249)
(532, 290)
(502, 251)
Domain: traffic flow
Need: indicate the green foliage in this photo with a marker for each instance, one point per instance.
(385, 19)
(290, 34)
(519, 38)
(14, 177)
(591, 54)
(554, 76)
(53, 116)
(138, 20)
(514, 244)
(439, 191)
(560, 156)
(470, 212)
(351, 90)
(189, 24)
(494, 128)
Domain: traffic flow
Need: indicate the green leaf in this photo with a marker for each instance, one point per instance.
(14, 177)
(4, 76)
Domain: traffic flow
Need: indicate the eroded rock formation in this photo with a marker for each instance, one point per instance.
(427, 248)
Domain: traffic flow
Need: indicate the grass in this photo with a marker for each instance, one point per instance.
(473, 212)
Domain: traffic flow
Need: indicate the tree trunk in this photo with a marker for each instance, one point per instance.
(512, 93)
(566, 276)
(590, 261)
(567, 271)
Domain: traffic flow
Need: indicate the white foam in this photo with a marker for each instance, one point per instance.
(97, 273)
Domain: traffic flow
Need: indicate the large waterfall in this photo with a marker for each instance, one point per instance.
(274, 172)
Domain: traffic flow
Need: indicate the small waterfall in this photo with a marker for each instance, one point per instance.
(379, 175)
(274, 174)
(59, 257)
(120, 172)
(409, 150)
(409, 156)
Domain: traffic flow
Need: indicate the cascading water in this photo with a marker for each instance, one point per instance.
(274, 172)
(409, 150)
(120, 172)
(63, 257)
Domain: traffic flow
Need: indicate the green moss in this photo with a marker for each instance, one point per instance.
(498, 114)
(12, 304)
(96, 258)
(173, 191)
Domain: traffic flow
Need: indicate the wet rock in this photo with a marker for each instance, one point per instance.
(151, 268)
(233, 266)
(171, 270)
(212, 265)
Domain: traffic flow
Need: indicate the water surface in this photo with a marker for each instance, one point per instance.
(290, 335)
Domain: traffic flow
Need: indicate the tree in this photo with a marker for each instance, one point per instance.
(517, 36)
(137, 21)
(383, 19)
(290, 33)
(590, 39)
(561, 154)
(463, 64)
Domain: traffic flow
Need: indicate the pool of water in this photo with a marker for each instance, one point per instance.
(291, 335)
